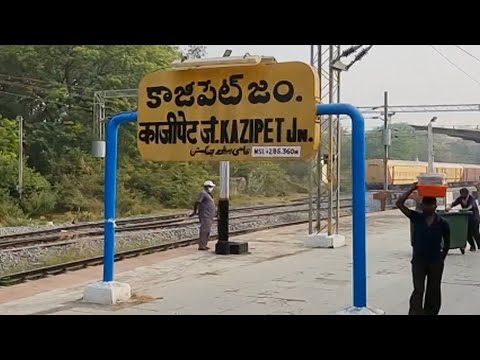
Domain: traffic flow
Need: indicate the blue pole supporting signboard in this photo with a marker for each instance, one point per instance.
(110, 192)
(358, 197)
(358, 201)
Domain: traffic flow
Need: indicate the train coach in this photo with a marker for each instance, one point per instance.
(402, 173)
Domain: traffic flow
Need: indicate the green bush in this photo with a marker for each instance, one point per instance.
(38, 203)
(168, 185)
(79, 193)
(10, 213)
(263, 178)
(37, 195)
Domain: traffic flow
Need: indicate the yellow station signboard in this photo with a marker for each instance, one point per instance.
(242, 112)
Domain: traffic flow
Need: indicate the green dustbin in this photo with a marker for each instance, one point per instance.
(458, 222)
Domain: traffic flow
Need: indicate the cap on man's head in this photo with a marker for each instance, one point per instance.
(208, 183)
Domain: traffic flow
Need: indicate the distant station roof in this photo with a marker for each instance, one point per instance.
(471, 135)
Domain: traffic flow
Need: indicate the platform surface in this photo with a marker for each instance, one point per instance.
(279, 276)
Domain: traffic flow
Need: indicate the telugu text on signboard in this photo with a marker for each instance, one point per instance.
(258, 112)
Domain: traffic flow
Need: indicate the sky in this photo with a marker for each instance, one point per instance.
(412, 75)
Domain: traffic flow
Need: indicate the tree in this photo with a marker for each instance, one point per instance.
(8, 136)
(195, 51)
(53, 90)
(52, 87)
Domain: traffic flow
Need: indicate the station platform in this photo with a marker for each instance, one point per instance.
(279, 276)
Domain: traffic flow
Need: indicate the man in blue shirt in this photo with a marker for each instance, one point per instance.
(468, 202)
(428, 253)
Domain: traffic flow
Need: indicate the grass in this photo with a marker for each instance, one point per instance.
(256, 200)
(66, 255)
(84, 216)
(69, 254)
(22, 265)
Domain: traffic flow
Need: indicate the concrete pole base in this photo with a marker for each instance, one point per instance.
(352, 310)
(107, 293)
(222, 248)
(323, 240)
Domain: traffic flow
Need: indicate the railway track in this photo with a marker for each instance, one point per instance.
(64, 235)
(144, 219)
(132, 220)
(137, 225)
(56, 269)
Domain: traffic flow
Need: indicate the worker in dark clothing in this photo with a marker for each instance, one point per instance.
(468, 202)
(428, 254)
